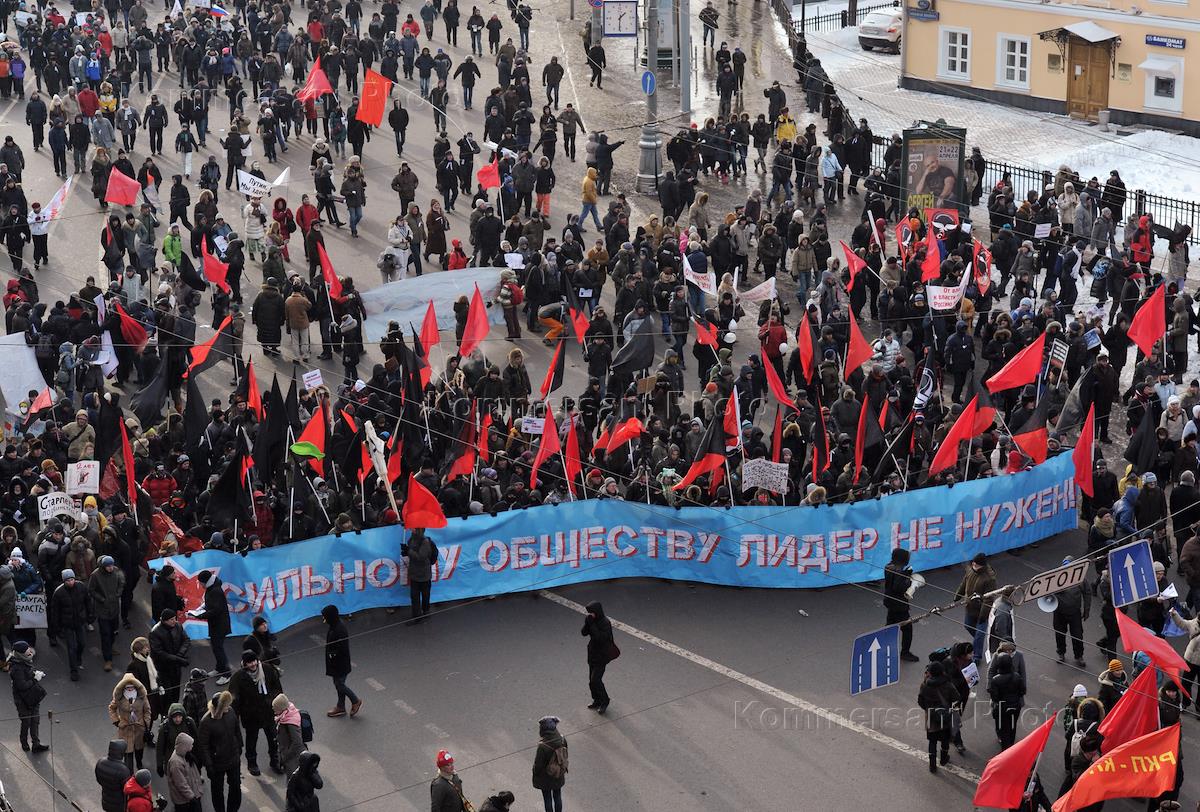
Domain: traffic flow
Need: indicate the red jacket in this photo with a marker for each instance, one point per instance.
(771, 336)
(159, 488)
(137, 797)
(1142, 245)
(306, 215)
(89, 102)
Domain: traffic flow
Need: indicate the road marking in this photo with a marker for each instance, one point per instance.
(769, 690)
(437, 731)
(316, 638)
(376, 684)
(566, 63)
(404, 706)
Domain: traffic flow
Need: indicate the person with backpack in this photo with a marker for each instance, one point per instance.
(177, 722)
(550, 763)
(1081, 719)
(291, 732)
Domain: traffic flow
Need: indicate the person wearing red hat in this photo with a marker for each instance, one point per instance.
(446, 792)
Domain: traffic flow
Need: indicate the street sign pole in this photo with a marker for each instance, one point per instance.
(647, 177)
(685, 59)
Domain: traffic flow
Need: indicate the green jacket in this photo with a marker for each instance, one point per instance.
(172, 248)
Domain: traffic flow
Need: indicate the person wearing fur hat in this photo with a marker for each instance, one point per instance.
(219, 750)
(130, 711)
(254, 687)
(550, 763)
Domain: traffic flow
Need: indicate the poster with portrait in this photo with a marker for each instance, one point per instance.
(933, 167)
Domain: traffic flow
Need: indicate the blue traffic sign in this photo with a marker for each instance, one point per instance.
(595, 3)
(876, 660)
(649, 82)
(1132, 571)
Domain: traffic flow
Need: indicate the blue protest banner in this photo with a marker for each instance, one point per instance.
(593, 540)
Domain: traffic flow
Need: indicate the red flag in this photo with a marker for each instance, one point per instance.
(1033, 438)
(349, 421)
(573, 466)
(1023, 368)
(859, 351)
(485, 431)
(316, 433)
(253, 395)
(373, 101)
(365, 463)
(776, 385)
(477, 325)
(804, 342)
(316, 85)
(868, 434)
(1161, 653)
(468, 436)
(903, 233)
(132, 331)
(215, 270)
(44, 400)
(623, 433)
(547, 448)
(1007, 774)
(706, 334)
(395, 463)
(947, 453)
(421, 508)
(1134, 715)
(554, 373)
(122, 189)
(777, 436)
(1084, 453)
(1142, 768)
(732, 420)
(200, 352)
(429, 329)
(130, 476)
(489, 175)
(331, 278)
(601, 441)
(1150, 321)
(579, 322)
(931, 266)
(854, 263)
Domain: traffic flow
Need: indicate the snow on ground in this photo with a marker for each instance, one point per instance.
(1164, 163)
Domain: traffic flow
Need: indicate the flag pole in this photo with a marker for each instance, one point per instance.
(318, 499)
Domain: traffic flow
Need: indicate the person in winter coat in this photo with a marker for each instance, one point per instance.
(27, 694)
(216, 614)
(420, 555)
(137, 794)
(1074, 607)
(978, 580)
(337, 662)
(550, 763)
(169, 647)
(445, 791)
(1007, 691)
(268, 314)
(112, 774)
(130, 711)
(219, 749)
(254, 687)
(70, 612)
(936, 696)
(303, 784)
(176, 723)
(1113, 682)
(183, 776)
(601, 650)
(288, 733)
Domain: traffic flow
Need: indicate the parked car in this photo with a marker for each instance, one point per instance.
(880, 29)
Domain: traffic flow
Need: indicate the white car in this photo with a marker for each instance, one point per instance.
(880, 29)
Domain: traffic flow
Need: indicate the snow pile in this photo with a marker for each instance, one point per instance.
(1159, 162)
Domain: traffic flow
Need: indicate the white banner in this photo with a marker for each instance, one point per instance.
(532, 425)
(252, 184)
(706, 283)
(760, 292)
(762, 473)
(55, 206)
(942, 297)
(83, 477)
(106, 359)
(312, 379)
(405, 301)
(284, 178)
(31, 612)
(54, 504)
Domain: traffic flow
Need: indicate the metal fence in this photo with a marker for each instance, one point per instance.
(839, 19)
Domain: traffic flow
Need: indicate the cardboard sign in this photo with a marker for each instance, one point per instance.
(312, 379)
(762, 473)
(646, 385)
(83, 477)
(53, 504)
(31, 612)
(532, 425)
(1042, 231)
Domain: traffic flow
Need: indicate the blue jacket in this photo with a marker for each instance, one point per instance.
(1123, 512)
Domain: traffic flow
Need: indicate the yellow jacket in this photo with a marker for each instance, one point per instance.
(785, 128)
(589, 186)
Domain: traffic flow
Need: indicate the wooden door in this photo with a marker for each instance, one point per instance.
(1087, 78)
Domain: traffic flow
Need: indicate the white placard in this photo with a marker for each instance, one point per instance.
(946, 297)
(31, 612)
(971, 674)
(52, 504)
(762, 473)
(252, 185)
(83, 477)
(514, 261)
(760, 292)
(532, 425)
(706, 283)
(312, 379)
(1042, 231)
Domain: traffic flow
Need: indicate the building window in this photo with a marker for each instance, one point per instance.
(1164, 83)
(1012, 61)
(955, 61)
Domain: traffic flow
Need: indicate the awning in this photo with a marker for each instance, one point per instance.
(1156, 64)
(1087, 30)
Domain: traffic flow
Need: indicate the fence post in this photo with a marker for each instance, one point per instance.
(1139, 196)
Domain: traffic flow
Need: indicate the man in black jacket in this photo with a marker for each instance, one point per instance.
(337, 662)
(897, 577)
(27, 693)
(111, 775)
(70, 612)
(254, 687)
(216, 612)
(169, 648)
(219, 749)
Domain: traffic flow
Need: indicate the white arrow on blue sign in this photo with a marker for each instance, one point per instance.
(1132, 570)
(875, 661)
(649, 82)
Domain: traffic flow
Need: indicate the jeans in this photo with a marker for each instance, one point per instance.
(424, 86)
(156, 139)
(232, 775)
(977, 628)
(217, 642)
(418, 592)
(552, 95)
(468, 94)
(344, 693)
(596, 684)
(477, 42)
(399, 141)
(356, 216)
(583, 212)
(776, 185)
(108, 633)
(552, 798)
(79, 157)
(710, 35)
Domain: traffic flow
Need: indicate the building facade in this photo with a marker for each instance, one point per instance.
(1133, 59)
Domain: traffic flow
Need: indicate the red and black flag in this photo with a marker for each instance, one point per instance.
(706, 334)
(313, 441)
(710, 456)
(868, 436)
(806, 346)
(554, 375)
(1142, 450)
(231, 499)
(463, 451)
(985, 412)
(213, 351)
(270, 446)
(820, 443)
(1032, 437)
(777, 435)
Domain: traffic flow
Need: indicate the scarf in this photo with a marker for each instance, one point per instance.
(151, 672)
(16, 656)
(260, 679)
(1105, 526)
(291, 716)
